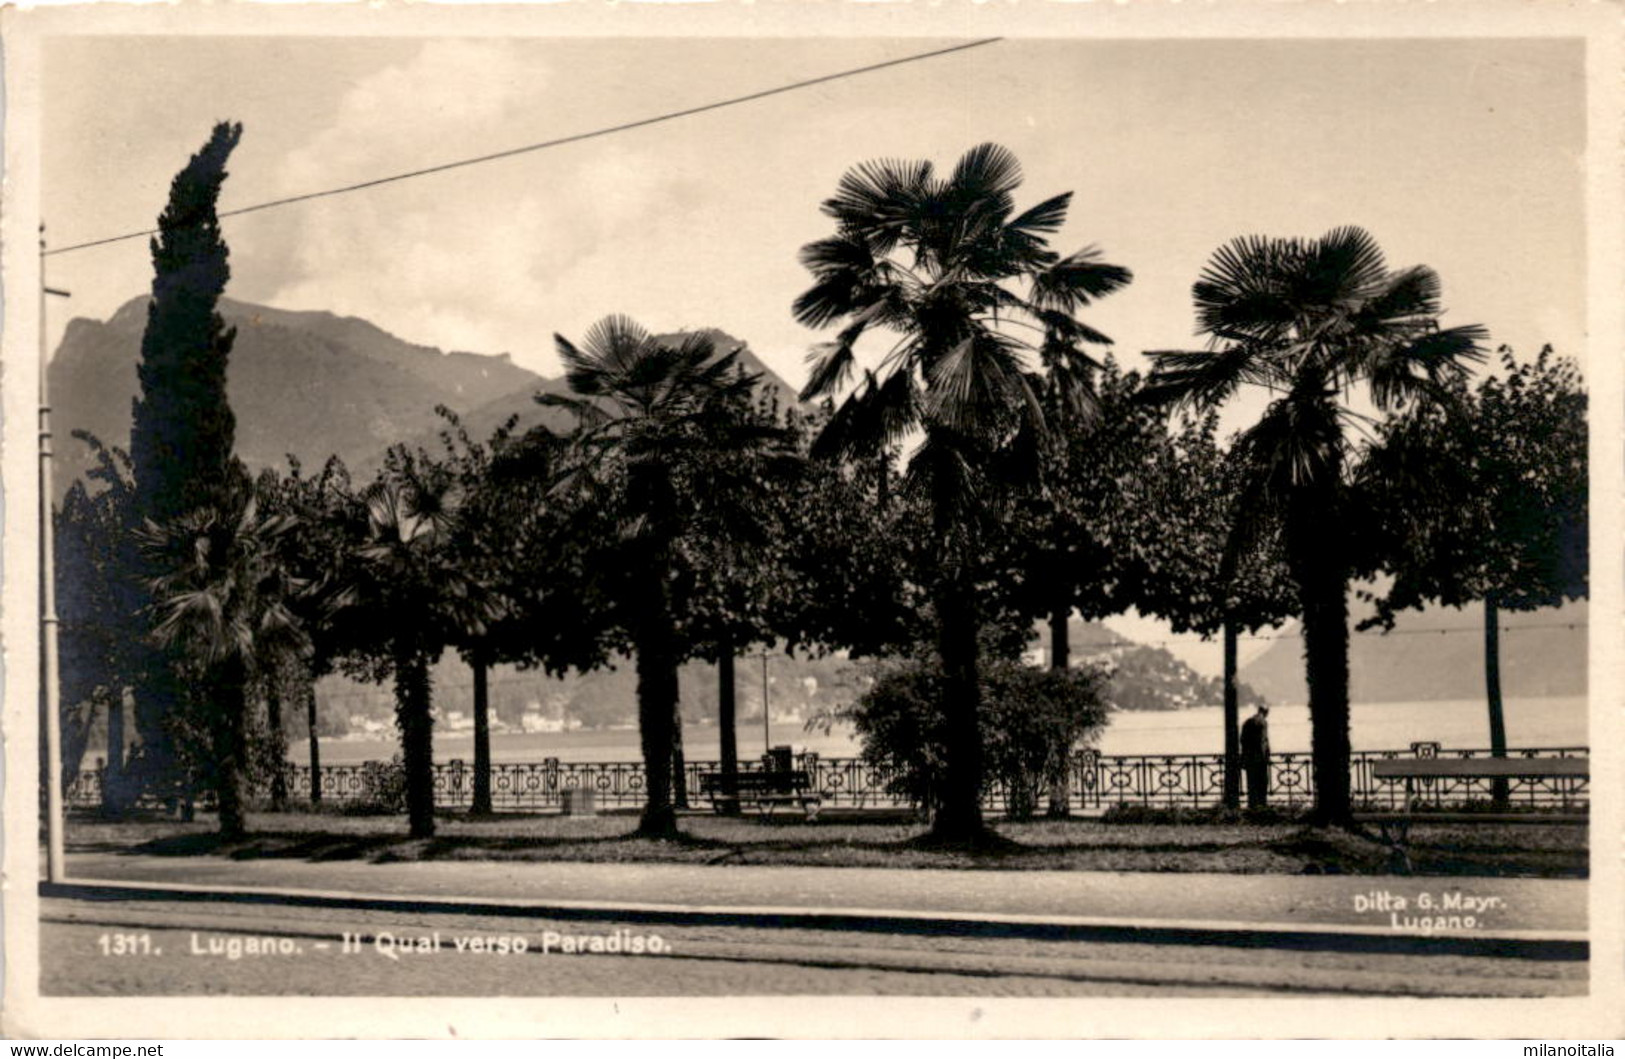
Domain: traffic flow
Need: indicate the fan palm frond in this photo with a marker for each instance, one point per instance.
(1426, 366)
(1077, 280)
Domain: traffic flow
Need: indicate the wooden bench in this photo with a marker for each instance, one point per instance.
(765, 790)
(1396, 824)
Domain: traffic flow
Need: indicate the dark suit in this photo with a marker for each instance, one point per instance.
(1255, 760)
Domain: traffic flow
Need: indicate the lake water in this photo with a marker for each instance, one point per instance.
(1375, 726)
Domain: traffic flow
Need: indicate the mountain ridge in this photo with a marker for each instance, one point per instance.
(1543, 655)
(309, 384)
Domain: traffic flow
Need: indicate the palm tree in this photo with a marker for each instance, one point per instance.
(222, 598)
(409, 588)
(975, 296)
(653, 417)
(1311, 320)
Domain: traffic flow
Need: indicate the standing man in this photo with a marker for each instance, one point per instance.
(1255, 757)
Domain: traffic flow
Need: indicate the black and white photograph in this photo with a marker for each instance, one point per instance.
(806, 522)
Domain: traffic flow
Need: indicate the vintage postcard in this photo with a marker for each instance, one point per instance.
(617, 520)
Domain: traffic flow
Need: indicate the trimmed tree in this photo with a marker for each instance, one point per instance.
(1484, 498)
(1212, 566)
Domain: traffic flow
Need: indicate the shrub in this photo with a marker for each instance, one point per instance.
(1188, 816)
(1031, 720)
(383, 787)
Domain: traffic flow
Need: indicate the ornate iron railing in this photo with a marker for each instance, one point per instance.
(1096, 782)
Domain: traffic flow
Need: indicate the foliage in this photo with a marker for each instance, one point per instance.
(1484, 497)
(98, 589)
(1030, 717)
(1311, 320)
(1083, 536)
(383, 787)
(849, 568)
(975, 296)
(1210, 562)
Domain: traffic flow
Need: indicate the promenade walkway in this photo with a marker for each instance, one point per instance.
(1247, 909)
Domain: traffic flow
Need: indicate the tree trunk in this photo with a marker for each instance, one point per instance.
(657, 706)
(482, 735)
(279, 746)
(1060, 649)
(679, 762)
(1232, 721)
(1501, 791)
(412, 713)
(113, 776)
(1059, 779)
(231, 749)
(959, 805)
(315, 743)
(727, 704)
(657, 697)
(157, 699)
(1323, 593)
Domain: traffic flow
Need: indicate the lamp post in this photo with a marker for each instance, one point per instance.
(50, 690)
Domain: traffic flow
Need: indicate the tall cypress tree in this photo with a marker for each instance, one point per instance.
(182, 434)
(181, 440)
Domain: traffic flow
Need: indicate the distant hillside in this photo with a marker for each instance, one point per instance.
(520, 404)
(1541, 656)
(1144, 677)
(800, 686)
(307, 383)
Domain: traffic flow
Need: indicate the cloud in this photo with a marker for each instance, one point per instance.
(474, 258)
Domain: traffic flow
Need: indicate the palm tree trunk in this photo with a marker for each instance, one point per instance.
(1501, 792)
(279, 747)
(657, 696)
(482, 735)
(1323, 594)
(412, 713)
(1232, 721)
(959, 806)
(727, 708)
(315, 743)
(657, 706)
(231, 749)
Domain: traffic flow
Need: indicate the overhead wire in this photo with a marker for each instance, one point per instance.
(560, 141)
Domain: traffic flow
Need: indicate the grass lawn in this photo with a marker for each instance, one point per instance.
(835, 841)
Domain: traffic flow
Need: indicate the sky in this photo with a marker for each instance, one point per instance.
(1465, 155)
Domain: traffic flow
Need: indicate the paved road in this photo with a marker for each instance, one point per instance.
(1550, 906)
(210, 948)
